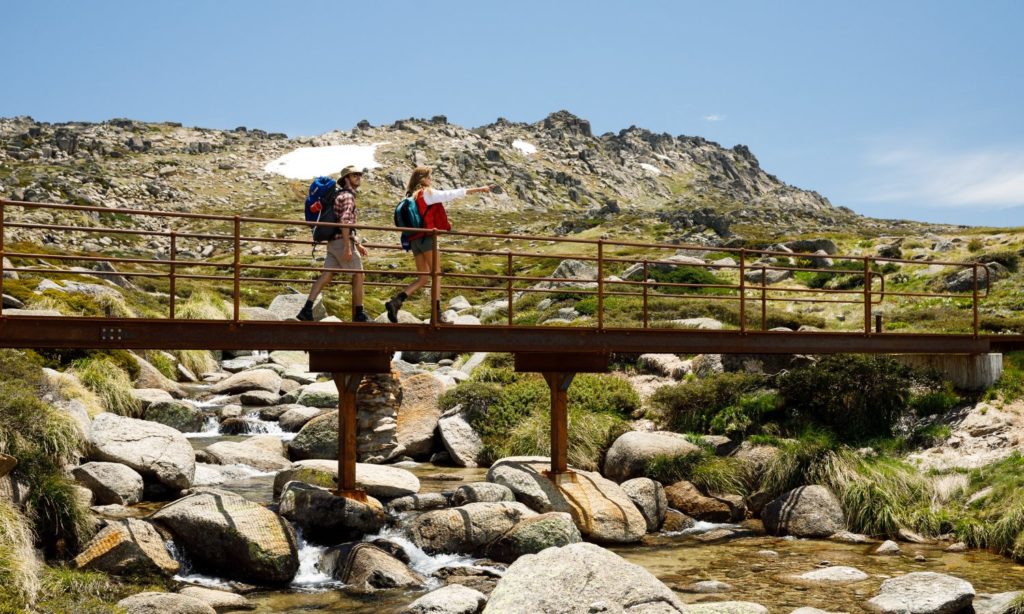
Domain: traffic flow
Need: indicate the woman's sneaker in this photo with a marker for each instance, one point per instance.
(361, 317)
(305, 314)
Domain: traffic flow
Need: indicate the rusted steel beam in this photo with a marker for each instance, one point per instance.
(348, 385)
(577, 362)
(558, 384)
(350, 361)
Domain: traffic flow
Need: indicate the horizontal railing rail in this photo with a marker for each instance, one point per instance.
(746, 270)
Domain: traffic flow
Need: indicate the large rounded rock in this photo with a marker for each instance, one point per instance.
(836, 575)
(264, 452)
(154, 450)
(320, 394)
(318, 438)
(164, 603)
(573, 578)
(467, 529)
(460, 440)
(228, 536)
(629, 455)
(649, 497)
(808, 511)
(686, 498)
(378, 481)
(418, 414)
(600, 508)
(451, 599)
(221, 601)
(110, 483)
(531, 535)
(365, 568)
(923, 592)
(176, 414)
(295, 418)
(326, 518)
(151, 377)
(255, 379)
(128, 547)
(481, 492)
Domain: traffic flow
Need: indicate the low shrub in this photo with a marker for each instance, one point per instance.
(589, 437)
(475, 398)
(690, 407)
(748, 413)
(710, 473)
(932, 402)
(858, 397)
(89, 592)
(1010, 385)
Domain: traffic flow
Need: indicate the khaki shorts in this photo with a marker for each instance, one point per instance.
(335, 258)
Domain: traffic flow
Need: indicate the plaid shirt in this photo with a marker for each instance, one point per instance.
(345, 208)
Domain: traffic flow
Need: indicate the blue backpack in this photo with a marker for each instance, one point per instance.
(320, 188)
(407, 215)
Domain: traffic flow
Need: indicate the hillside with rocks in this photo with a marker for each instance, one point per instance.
(553, 176)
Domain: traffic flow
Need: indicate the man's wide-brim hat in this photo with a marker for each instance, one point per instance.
(349, 170)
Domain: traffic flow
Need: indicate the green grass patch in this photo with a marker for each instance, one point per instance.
(111, 383)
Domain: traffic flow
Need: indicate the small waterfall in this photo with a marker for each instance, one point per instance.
(211, 428)
(309, 576)
(185, 573)
(423, 563)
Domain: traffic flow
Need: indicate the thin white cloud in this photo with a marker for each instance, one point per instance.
(714, 117)
(987, 179)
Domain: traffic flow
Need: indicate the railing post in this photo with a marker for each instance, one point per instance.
(764, 298)
(508, 285)
(975, 299)
(600, 284)
(174, 259)
(645, 292)
(238, 265)
(867, 296)
(435, 282)
(743, 291)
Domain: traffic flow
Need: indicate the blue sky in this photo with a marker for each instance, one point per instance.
(907, 109)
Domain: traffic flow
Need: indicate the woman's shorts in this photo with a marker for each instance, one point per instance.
(423, 245)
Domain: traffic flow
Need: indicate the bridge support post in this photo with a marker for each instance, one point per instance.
(348, 369)
(559, 369)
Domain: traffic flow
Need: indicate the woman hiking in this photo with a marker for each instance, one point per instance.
(430, 204)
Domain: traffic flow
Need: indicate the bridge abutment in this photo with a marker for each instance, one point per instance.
(964, 371)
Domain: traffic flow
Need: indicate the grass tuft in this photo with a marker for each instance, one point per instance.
(113, 386)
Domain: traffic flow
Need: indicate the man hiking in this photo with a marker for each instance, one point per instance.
(343, 251)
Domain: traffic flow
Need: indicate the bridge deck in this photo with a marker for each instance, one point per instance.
(103, 333)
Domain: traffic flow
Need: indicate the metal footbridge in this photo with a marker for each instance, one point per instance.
(635, 303)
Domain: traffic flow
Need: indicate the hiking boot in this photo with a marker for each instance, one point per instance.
(305, 314)
(393, 305)
(361, 317)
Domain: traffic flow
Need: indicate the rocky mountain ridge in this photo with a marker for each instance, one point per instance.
(556, 172)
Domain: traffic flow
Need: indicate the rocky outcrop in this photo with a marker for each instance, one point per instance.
(128, 547)
(297, 416)
(467, 529)
(229, 536)
(154, 450)
(326, 518)
(573, 578)
(600, 508)
(418, 414)
(534, 534)
(629, 455)
(376, 441)
(808, 511)
(460, 440)
(110, 483)
(922, 593)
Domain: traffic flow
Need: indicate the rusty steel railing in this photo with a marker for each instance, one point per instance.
(603, 256)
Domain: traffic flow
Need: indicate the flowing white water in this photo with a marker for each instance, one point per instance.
(702, 527)
(309, 576)
(423, 563)
(211, 428)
